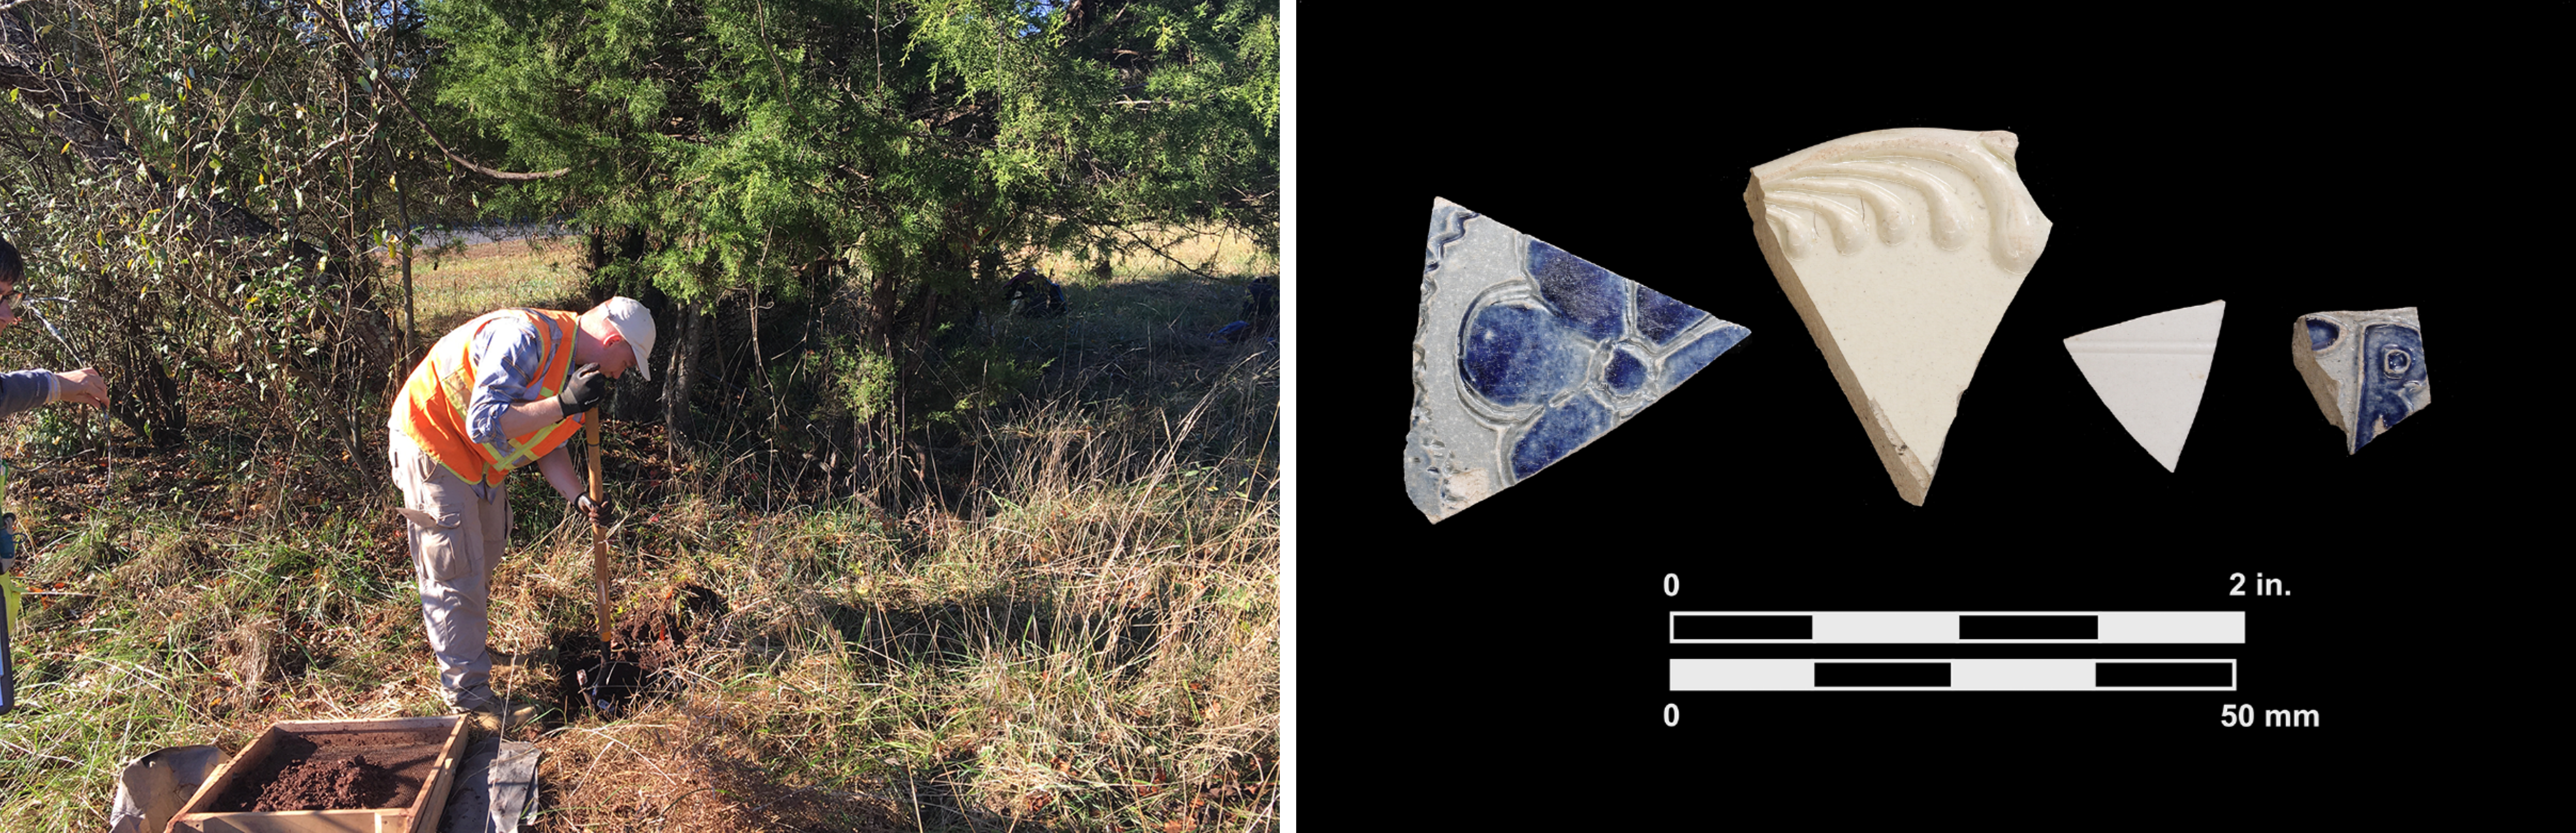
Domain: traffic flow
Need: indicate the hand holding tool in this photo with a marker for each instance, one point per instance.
(599, 539)
(582, 391)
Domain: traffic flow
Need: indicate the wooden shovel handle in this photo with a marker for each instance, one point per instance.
(598, 536)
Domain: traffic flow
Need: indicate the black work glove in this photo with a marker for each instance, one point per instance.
(583, 390)
(599, 511)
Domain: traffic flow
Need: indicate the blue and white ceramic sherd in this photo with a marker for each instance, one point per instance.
(1523, 354)
(2366, 369)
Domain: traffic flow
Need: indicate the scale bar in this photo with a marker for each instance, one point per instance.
(2087, 628)
(1880, 627)
(1954, 675)
(1738, 628)
(1882, 675)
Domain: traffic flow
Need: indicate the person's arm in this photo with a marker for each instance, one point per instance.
(530, 416)
(501, 407)
(558, 469)
(29, 388)
(82, 387)
(25, 389)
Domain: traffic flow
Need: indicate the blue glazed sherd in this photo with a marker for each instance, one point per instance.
(2366, 369)
(1589, 345)
(2392, 371)
(1558, 432)
(1659, 317)
(1585, 297)
(1512, 354)
(2322, 333)
(1524, 353)
(1626, 372)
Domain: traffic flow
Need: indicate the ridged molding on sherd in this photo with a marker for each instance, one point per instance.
(2366, 368)
(2151, 371)
(1901, 249)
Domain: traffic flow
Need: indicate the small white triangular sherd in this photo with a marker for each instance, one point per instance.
(1901, 250)
(2151, 371)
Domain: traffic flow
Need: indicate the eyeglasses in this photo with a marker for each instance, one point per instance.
(14, 301)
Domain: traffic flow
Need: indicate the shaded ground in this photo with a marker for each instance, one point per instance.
(612, 680)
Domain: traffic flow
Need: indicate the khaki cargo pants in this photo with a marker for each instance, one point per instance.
(453, 559)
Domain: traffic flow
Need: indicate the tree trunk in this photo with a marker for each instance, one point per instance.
(916, 457)
(402, 209)
(876, 440)
(686, 346)
(607, 247)
(143, 396)
(633, 399)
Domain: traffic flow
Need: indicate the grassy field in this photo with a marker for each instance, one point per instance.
(1093, 647)
(450, 287)
(453, 286)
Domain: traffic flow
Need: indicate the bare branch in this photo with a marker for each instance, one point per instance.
(68, 114)
(1167, 255)
(349, 39)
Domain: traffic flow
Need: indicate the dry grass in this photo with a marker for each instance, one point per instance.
(1098, 658)
(1156, 253)
(449, 287)
(1093, 647)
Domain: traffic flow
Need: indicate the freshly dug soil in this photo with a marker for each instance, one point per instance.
(596, 678)
(336, 771)
(349, 783)
(608, 681)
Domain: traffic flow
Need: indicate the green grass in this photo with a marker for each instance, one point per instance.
(1093, 646)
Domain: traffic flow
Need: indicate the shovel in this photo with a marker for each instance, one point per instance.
(599, 542)
(8, 605)
(608, 683)
(9, 592)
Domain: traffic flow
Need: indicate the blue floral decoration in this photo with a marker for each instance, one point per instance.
(1564, 364)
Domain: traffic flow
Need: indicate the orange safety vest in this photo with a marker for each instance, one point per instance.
(435, 398)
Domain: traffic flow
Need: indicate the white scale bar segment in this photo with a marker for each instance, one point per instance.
(1965, 675)
(1884, 627)
(2179, 627)
(2209, 626)
(2021, 674)
(1743, 674)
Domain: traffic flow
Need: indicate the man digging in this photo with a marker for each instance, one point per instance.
(502, 391)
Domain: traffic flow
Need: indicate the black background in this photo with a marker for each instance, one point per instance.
(1524, 635)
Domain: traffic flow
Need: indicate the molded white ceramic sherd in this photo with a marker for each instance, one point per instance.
(1901, 249)
(2150, 372)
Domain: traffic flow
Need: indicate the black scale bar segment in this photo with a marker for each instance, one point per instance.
(2029, 627)
(1686, 626)
(1883, 675)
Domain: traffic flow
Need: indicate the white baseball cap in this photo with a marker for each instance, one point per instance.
(634, 322)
